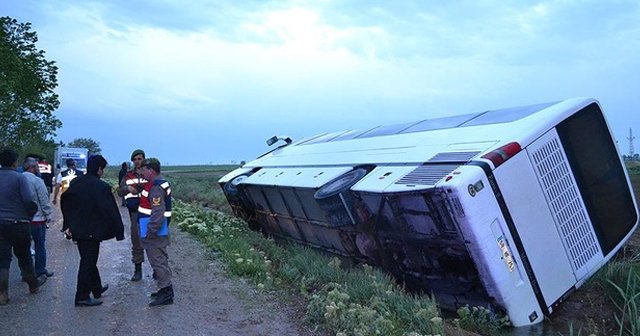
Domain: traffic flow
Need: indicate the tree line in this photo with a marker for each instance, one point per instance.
(27, 94)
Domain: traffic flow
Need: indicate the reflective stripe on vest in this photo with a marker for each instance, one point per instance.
(132, 178)
(145, 206)
(135, 181)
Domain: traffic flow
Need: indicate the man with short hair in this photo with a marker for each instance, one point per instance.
(154, 215)
(16, 211)
(64, 178)
(91, 215)
(42, 217)
(131, 187)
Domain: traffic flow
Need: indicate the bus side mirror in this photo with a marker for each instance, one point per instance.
(275, 139)
(272, 140)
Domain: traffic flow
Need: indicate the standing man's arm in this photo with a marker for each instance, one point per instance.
(27, 196)
(56, 188)
(124, 188)
(43, 200)
(109, 208)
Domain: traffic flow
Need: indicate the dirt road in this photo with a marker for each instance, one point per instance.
(206, 302)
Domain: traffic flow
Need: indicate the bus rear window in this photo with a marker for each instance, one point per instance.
(599, 174)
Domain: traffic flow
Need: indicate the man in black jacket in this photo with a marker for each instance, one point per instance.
(91, 215)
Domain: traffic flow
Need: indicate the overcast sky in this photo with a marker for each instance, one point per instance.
(209, 81)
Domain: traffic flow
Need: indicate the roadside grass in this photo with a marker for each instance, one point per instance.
(341, 300)
(620, 282)
(205, 192)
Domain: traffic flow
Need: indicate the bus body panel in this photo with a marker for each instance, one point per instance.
(536, 227)
(448, 210)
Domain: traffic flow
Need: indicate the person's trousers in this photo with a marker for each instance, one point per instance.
(38, 234)
(17, 237)
(88, 275)
(137, 251)
(159, 261)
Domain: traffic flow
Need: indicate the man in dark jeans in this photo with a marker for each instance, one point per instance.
(91, 215)
(16, 210)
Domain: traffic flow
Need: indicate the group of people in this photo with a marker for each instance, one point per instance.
(90, 216)
(19, 206)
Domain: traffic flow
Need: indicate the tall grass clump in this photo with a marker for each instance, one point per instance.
(620, 281)
(343, 301)
(627, 302)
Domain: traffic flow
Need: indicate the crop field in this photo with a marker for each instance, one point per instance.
(362, 301)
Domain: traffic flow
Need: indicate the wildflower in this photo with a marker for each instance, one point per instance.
(239, 260)
(260, 286)
(436, 320)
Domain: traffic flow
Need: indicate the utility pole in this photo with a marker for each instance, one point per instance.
(631, 151)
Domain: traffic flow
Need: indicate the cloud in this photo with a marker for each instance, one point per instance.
(254, 68)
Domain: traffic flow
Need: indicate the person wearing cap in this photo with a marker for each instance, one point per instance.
(130, 188)
(64, 178)
(42, 217)
(154, 215)
(16, 211)
(90, 216)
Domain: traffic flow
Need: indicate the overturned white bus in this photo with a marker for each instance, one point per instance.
(512, 208)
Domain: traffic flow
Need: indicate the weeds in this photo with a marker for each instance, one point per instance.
(207, 193)
(627, 302)
(480, 320)
(358, 301)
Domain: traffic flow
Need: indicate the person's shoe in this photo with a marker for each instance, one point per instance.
(154, 294)
(35, 282)
(46, 273)
(164, 297)
(137, 274)
(88, 303)
(97, 295)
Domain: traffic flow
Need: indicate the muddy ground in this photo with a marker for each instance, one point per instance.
(206, 301)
